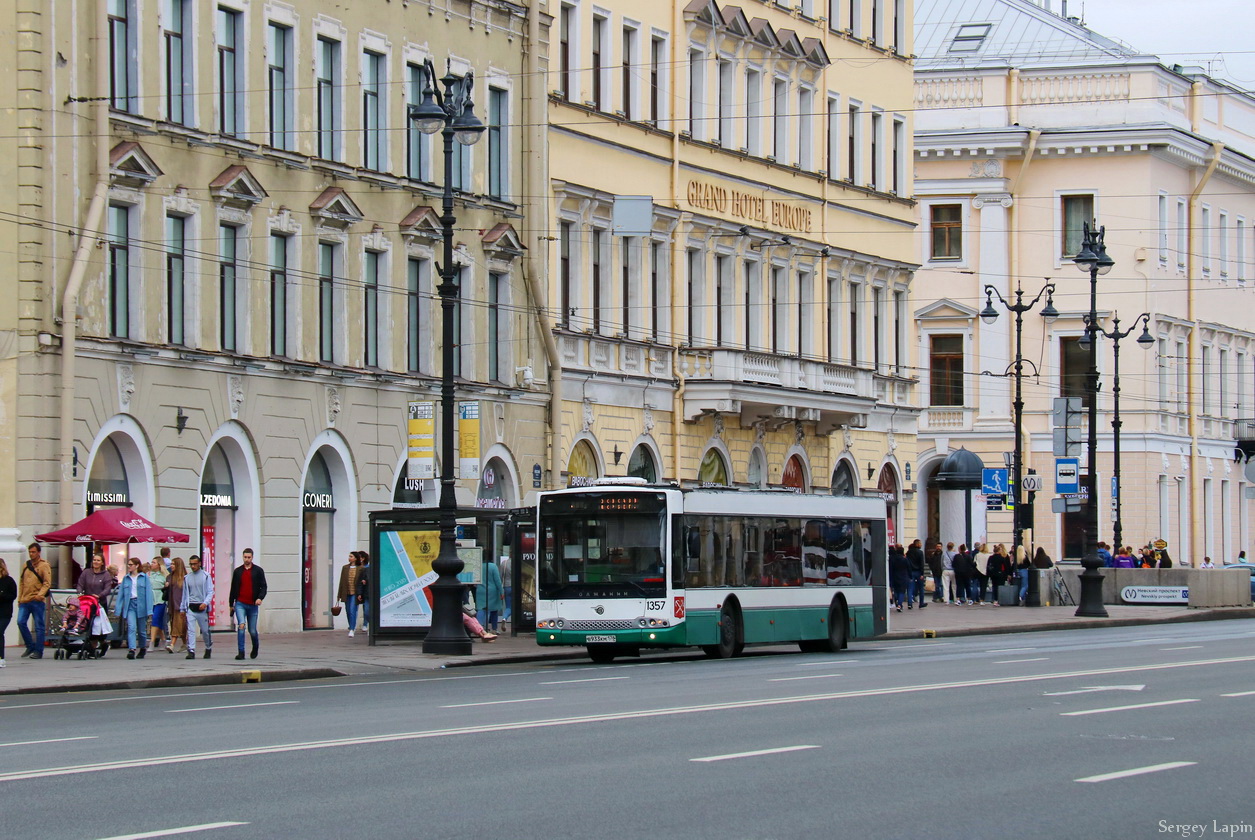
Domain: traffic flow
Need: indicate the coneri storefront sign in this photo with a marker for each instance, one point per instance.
(752, 207)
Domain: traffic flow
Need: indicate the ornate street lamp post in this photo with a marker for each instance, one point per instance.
(989, 314)
(451, 114)
(1094, 259)
(1145, 341)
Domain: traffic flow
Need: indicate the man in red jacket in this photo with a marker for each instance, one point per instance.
(248, 589)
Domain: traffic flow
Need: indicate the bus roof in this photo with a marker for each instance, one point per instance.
(733, 500)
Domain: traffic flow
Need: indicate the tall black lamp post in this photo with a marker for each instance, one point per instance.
(1093, 259)
(451, 113)
(1145, 341)
(989, 314)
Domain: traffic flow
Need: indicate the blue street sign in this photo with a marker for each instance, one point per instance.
(1115, 489)
(994, 481)
(1067, 475)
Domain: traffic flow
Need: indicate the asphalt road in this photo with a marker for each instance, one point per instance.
(1116, 732)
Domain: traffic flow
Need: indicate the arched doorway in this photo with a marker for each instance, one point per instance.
(756, 472)
(582, 468)
(641, 464)
(887, 487)
(328, 502)
(218, 507)
(713, 470)
(794, 475)
(119, 474)
(843, 483)
(495, 491)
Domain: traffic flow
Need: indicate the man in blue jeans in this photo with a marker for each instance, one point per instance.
(248, 589)
(32, 593)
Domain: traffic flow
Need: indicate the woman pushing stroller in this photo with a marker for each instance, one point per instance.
(98, 583)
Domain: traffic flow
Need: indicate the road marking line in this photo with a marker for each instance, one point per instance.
(756, 753)
(1187, 647)
(1239, 694)
(1126, 708)
(495, 703)
(589, 679)
(1137, 771)
(236, 706)
(1094, 688)
(807, 677)
(1018, 661)
(170, 832)
(641, 714)
(1011, 650)
(50, 741)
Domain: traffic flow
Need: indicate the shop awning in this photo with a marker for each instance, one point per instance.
(110, 526)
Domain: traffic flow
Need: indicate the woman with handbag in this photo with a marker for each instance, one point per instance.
(349, 592)
(174, 604)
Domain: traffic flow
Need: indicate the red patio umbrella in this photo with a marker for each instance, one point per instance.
(110, 526)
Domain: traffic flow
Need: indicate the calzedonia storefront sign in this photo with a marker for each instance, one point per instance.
(768, 212)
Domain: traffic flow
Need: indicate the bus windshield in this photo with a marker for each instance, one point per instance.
(600, 555)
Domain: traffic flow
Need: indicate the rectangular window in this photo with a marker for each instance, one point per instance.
(496, 333)
(657, 55)
(228, 268)
(564, 274)
(1205, 387)
(177, 62)
(947, 231)
(854, 141)
(1161, 369)
(832, 131)
(327, 315)
(597, 245)
(418, 280)
(1239, 251)
(780, 119)
(723, 304)
(834, 318)
(805, 129)
(854, 18)
(566, 32)
(856, 291)
(1222, 389)
(693, 263)
(278, 295)
(370, 310)
(754, 112)
(1073, 370)
(598, 68)
(724, 69)
(656, 268)
(1163, 229)
(897, 148)
(1077, 211)
(1204, 240)
(176, 255)
(945, 370)
(374, 81)
(417, 144)
(750, 284)
(498, 159)
(875, 16)
(122, 71)
(899, 337)
(1182, 369)
(457, 324)
(119, 271)
(697, 93)
(625, 269)
(629, 78)
(327, 89)
(1183, 233)
(230, 72)
(279, 82)
(878, 296)
(461, 175)
(779, 308)
(878, 129)
(805, 294)
(1222, 240)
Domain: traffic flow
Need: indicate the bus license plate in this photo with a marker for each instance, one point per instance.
(593, 640)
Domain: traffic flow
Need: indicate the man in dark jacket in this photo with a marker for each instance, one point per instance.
(248, 589)
(915, 557)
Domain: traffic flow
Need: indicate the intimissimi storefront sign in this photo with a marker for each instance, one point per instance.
(750, 207)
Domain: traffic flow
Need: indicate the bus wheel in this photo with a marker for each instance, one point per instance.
(601, 654)
(836, 628)
(730, 643)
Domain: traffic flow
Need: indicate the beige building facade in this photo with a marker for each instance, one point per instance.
(223, 255)
(1013, 153)
(731, 222)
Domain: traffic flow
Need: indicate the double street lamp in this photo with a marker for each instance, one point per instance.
(989, 314)
(1145, 341)
(451, 113)
(1093, 259)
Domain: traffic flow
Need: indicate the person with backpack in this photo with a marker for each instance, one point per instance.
(32, 595)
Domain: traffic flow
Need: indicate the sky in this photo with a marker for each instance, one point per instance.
(1213, 34)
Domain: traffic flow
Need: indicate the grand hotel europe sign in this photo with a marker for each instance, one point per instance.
(751, 207)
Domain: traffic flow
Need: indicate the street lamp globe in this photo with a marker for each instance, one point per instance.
(1048, 313)
(989, 314)
(427, 116)
(467, 127)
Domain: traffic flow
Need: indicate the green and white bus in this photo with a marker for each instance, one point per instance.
(624, 565)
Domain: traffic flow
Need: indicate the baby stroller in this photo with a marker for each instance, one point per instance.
(76, 631)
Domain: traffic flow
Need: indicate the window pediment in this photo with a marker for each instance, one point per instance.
(334, 209)
(131, 166)
(945, 310)
(735, 21)
(503, 242)
(703, 11)
(236, 187)
(423, 222)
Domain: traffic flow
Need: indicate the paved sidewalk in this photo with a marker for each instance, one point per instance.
(330, 653)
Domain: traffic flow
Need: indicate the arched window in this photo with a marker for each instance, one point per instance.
(843, 483)
(794, 473)
(582, 467)
(642, 465)
(714, 469)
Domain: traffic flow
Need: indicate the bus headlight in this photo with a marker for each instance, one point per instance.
(561, 623)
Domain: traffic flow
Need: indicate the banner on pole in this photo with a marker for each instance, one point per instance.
(421, 430)
(468, 439)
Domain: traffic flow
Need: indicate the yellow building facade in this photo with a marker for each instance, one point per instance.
(731, 245)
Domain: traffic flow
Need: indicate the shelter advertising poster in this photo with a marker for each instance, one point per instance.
(405, 559)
